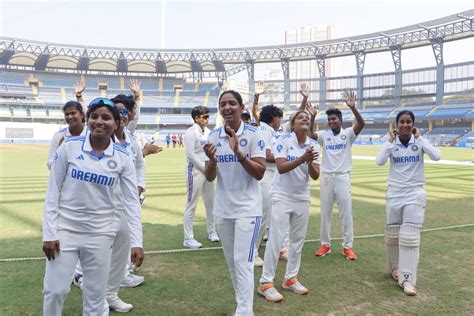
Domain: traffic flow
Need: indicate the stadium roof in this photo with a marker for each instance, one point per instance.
(42, 56)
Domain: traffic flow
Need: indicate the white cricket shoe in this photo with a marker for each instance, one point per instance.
(295, 286)
(409, 289)
(192, 243)
(268, 291)
(116, 304)
(257, 261)
(214, 237)
(131, 280)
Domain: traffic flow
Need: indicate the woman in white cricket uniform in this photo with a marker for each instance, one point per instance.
(194, 140)
(236, 153)
(297, 159)
(83, 226)
(74, 117)
(406, 198)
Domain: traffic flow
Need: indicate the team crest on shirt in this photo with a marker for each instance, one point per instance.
(133, 150)
(279, 148)
(414, 147)
(343, 137)
(243, 142)
(112, 164)
(56, 156)
(261, 144)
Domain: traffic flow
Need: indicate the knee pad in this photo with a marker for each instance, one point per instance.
(392, 232)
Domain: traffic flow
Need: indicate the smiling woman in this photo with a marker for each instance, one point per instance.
(83, 226)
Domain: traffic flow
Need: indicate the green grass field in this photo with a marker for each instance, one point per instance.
(197, 282)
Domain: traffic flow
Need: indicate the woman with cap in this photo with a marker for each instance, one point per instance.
(236, 153)
(83, 226)
(297, 159)
(195, 138)
(406, 198)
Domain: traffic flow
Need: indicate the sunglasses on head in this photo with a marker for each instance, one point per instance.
(98, 101)
(123, 112)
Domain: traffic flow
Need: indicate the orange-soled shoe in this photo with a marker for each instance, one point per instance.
(349, 254)
(268, 291)
(295, 286)
(324, 250)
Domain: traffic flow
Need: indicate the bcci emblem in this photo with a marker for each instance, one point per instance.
(243, 142)
(343, 137)
(414, 147)
(279, 148)
(56, 156)
(112, 164)
(133, 150)
(261, 144)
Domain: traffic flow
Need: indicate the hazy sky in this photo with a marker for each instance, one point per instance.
(217, 24)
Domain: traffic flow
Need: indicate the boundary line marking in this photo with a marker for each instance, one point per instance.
(155, 252)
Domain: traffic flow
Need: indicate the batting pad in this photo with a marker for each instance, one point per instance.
(391, 244)
(409, 253)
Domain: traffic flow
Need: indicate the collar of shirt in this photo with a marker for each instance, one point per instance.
(295, 140)
(411, 141)
(201, 131)
(87, 148)
(239, 132)
(268, 127)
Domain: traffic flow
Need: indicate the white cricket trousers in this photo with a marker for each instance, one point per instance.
(294, 215)
(265, 187)
(120, 258)
(238, 237)
(197, 184)
(336, 187)
(94, 252)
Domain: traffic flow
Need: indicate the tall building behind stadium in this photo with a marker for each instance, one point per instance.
(309, 69)
(37, 78)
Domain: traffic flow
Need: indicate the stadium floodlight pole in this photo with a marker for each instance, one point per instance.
(360, 62)
(396, 52)
(437, 45)
(321, 61)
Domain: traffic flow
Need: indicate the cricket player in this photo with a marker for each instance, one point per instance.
(237, 153)
(194, 140)
(336, 166)
(406, 198)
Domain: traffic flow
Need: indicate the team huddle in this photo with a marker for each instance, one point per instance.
(92, 224)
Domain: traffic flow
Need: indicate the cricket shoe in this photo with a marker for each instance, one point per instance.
(117, 305)
(323, 250)
(192, 243)
(349, 253)
(268, 291)
(295, 286)
(131, 280)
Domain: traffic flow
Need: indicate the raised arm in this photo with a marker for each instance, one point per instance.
(259, 89)
(313, 111)
(79, 88)
(138, 95)
(210, 166)
(384, 153)
(429, 149)
(351, 103)
(304, 91)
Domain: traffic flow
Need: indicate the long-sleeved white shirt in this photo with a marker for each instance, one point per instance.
(194, 140)
(54, 144)
(407, 162)
(81, 187)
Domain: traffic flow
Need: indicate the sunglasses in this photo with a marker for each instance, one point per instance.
(98, 101)
(123, 112)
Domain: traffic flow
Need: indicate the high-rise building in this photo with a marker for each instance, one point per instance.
(306, 70)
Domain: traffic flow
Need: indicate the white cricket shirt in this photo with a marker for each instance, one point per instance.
(293, 185)
(337, 150)
(407, 163)
(269, 135)
(237, 193)
(54, 144)
(81, 186)
(194, 140)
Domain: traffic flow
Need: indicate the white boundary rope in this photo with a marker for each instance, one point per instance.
(156, 252)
